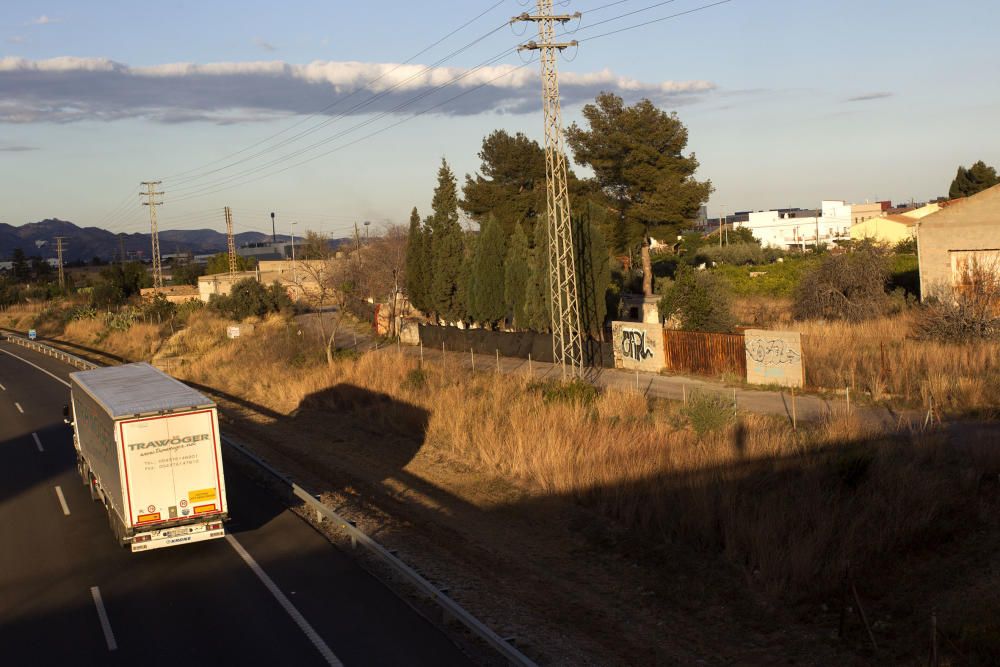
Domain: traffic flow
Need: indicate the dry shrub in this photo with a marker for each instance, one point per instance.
(849, 286)
(791, 508)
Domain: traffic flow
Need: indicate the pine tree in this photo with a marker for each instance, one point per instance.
(536, 298)
(975, 179)
(486, 298)
(516, 277)
(415, 266)
(447, 248)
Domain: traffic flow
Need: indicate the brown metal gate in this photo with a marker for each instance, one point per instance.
(704, 353)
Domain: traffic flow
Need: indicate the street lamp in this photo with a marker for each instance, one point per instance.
(367, 222)
(274, 235)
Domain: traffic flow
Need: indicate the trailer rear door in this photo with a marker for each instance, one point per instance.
(172, 468)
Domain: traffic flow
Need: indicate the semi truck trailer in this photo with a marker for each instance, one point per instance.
(148, 447)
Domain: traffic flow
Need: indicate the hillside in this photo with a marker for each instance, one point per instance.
(84, 243)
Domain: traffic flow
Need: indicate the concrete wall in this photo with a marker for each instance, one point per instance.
(638, 346)
(966, 229)
(774, 357)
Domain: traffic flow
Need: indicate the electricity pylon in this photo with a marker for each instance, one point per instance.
(59, 250)
(567, 339)
(152, 204)
(231, 244)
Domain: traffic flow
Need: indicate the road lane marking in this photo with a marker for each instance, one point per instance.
(19, 408)
(102, 614)
(38, 443)
(62, 500)
(3, 388)
(299, 619)
(54, 377)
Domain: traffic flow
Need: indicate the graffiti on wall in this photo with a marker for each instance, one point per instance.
(638, 346)
(774, 357)
(634, 345)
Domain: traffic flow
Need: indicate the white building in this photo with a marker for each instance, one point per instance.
(790, 230)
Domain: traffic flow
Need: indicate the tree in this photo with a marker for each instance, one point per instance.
(315, 246)
(219, 263)
(975, 179)
(40, 268)
(537, 296)
(119, 283)
(699, 299)
(20, 267)
(849, 286)
(637, 157)
(593, 274)
(188, 274)
(486, 296)
(248, 298)
(510, 184)
(447, 248)
(516, 277)
(416, 263)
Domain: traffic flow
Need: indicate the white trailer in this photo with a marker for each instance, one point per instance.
(148, 447)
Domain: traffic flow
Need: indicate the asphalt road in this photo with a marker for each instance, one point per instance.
(197, 604)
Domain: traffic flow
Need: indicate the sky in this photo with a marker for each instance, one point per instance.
(333, 113)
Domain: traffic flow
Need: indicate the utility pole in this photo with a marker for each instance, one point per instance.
(59, 249)
(274, 234)
(567, 339)
(121, 249)
(230, 243)
(152, 204)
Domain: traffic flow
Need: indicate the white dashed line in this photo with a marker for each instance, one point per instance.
(19, 408)
(299, 619)
(3, 388)
(62, 500)
(54, 377)
(38, 443)
(102, 614)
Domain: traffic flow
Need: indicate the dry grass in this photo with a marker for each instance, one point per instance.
(878, 357)
(791, 508)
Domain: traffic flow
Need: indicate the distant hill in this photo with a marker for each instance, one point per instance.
(85, 243)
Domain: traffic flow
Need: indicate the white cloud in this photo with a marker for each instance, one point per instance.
(45, 20)
(17, 39)
(72, 88)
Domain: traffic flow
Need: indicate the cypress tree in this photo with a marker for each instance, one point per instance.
(447, 247)
(486, 299)
(467, 278)
(516, 277)
(415, 263)
(593, 273)
(536, 298)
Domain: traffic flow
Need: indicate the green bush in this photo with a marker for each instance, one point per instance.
(700, 300)
(573, 391)
(416, 379)
(708, 412)
(778, 279)
(249, 298)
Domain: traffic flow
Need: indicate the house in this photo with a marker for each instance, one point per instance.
(799, 228)
(173, 293)
(862, 212)
(963, 234)
(889, 229)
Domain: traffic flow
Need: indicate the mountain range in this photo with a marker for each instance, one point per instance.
(85, 243)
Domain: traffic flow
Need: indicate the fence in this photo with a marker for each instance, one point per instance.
(518, 344)
(704, 353)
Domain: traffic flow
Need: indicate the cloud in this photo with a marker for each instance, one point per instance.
(869, 96)
(68, 89)
(17, 149)
(44, 20)
(264, 45)
(17, 39)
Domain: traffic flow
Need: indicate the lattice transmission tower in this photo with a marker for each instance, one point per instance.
(230, 242)
(152, 204)
(567, 338)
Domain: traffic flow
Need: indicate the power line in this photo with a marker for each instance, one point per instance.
(152, 204)
(381, 94)
(362, 138)
(646, 23)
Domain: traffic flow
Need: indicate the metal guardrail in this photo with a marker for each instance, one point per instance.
(449, 607)
(82, 364)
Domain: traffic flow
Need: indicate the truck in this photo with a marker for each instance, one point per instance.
(148, 447)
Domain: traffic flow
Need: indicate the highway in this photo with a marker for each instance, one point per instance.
(275, 592)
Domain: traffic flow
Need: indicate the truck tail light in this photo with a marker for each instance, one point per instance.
(142, 538)
(214, 526)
